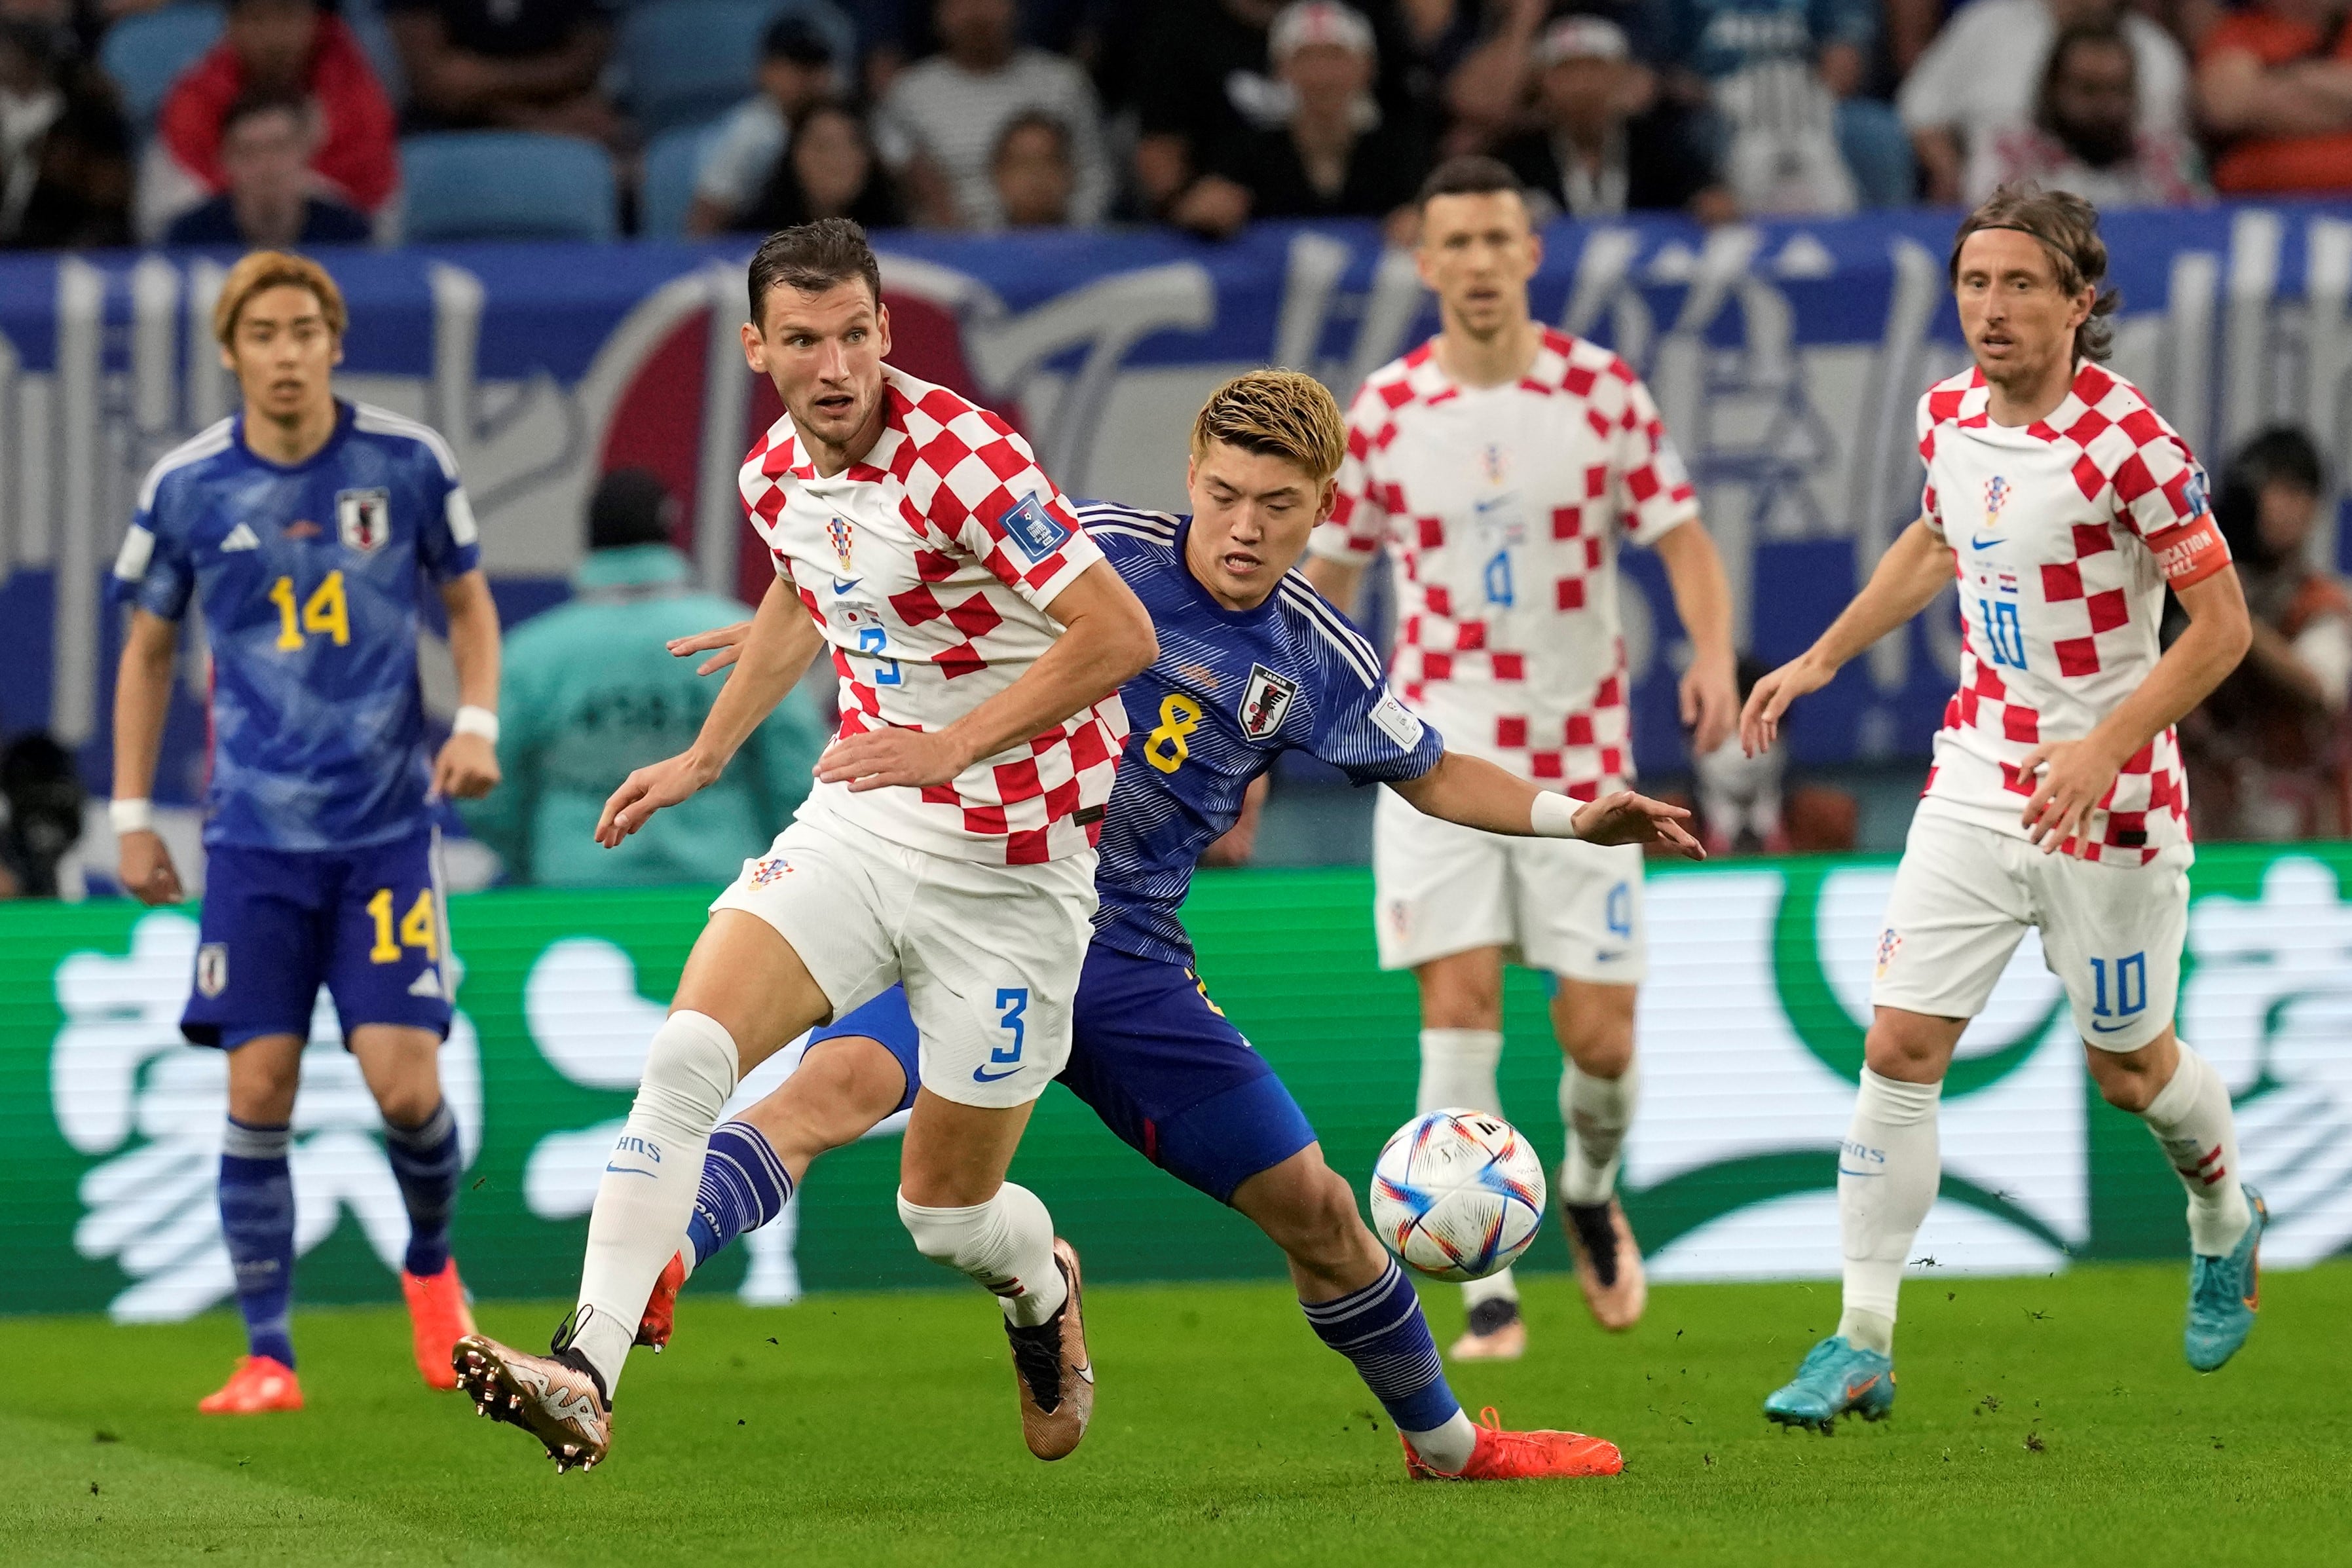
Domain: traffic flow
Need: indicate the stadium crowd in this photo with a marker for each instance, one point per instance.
(126, 119)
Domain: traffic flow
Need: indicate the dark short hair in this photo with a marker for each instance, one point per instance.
(2282, 455)
(264, 101)
(811, 257)
(2108, 34)
(2068, 228)
(792, 36)
(631, 507)
(1470, 174)
(1033, 120)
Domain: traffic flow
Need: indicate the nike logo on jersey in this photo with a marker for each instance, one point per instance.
(625, 1170)
(843, 586)
(981, 1075)
(1483, 507)
(239, 538)
(1976, 544)
(2112, 1029)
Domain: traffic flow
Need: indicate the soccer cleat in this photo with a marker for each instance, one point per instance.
(1050, 1367)
(1501, 1455)
(1495, 1331)
(661, 1307)
(1835, 1377)
(547, 1396)
(2225, 1292)
(437, 1318)
(259, 1384)
(1608, 1263)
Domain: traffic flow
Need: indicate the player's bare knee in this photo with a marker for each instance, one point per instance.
(1461, 992)
(1911, 1048)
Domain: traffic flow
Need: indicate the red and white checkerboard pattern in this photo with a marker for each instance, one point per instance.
(936, 604)
(1554, 471)
(2056, 530)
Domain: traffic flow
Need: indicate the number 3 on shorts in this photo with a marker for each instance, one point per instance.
(1012, 1002)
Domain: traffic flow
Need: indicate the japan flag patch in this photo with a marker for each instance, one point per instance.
(363, 519)
(1265, 702)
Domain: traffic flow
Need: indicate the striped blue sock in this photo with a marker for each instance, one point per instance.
(1380, 1328)
(426, 1162)
(256, 1207)
(744, 1185)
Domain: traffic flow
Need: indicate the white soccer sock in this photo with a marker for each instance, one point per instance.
(1457, 1071)
(1888, 1171)
(2190, 1117)
(649, 1182)
(1006, 1244)
(1447, 1448)
(1596, 1111)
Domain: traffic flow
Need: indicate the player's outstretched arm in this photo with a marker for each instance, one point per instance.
(1106, 639)
(142, 693)
(1711, 687)
(1909, 575)
(1476, 794)
(2076, 775)
(468, 767)
(772, 659)
(724, 644)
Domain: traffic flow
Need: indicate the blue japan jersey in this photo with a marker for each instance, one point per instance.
(310, 580)
(1230, 692)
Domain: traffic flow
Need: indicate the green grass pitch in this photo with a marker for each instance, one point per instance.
(2043, 1421)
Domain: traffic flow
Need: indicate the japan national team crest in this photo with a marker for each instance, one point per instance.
(1265, 702)
(211, 968)
(843, 537)
(363, 519)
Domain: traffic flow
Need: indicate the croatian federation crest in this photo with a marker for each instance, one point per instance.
(1997, 493)
(843, 537)
(1265, 702)
(772, 868)
(363, 519)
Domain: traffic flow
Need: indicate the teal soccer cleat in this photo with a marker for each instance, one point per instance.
(1836, 1377)
(2223, 1293)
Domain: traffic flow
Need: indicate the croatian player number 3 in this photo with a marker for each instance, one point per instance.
(1458, 1193)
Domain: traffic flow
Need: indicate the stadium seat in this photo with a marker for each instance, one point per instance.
(505, 184)
(671, 160)
(687, 61)
(146, 54)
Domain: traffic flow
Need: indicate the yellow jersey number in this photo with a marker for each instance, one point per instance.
(419, 926)
(1168, 745)
(326, 611)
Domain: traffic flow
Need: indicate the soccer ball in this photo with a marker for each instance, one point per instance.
(1458, 1193)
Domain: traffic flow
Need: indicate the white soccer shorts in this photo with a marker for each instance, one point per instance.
(1560, 904)
(1965, 894)
(989, 954)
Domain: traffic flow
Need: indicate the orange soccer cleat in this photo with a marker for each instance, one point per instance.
(437, 1318)
(259, 1384)
(660, 1315)
(1503, 1455)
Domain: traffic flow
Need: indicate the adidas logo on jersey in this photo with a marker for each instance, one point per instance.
(427, 983)
(239, 538)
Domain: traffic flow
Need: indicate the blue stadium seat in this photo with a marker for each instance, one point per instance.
(146, 54)
(505, 184)
(671, 160)
(687, 61)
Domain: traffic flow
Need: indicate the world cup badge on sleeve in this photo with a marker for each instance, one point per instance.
(363, 519)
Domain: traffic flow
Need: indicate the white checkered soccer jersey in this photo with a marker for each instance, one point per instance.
(1501, 508)
(926, 566)
(2063, 534)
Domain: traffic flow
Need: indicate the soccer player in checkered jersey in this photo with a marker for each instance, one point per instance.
(2064, 505)
(1502, 465)
(949, 846)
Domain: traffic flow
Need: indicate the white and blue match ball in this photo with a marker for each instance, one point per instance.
(1458, 1193)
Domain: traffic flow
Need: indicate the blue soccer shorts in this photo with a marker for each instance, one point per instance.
(369, 924)
(1157, 1060)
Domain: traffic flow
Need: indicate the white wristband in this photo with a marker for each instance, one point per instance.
(1553, 815)
(131, 816)
(473, 720)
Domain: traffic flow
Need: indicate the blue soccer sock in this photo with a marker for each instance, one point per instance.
(426, 1162)
(1382, 1329)
(744, 1185)
(256, 1207)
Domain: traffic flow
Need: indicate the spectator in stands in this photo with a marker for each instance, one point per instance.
(938, 126)
(1036, 172)
(1785, 77)
(2085, 136)
(2267, 751)
(828, 169)
(41, 805)
(1591, 154)
(274, 46)
(1981, 75)
(1202, 83)
(65, 152)
(2274, 84)
(1335, 153)
(267, 141)
(525, 65)
(589, 693)
(796, 71)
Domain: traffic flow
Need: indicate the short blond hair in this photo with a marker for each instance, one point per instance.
(266, 269)
(1277, 413)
